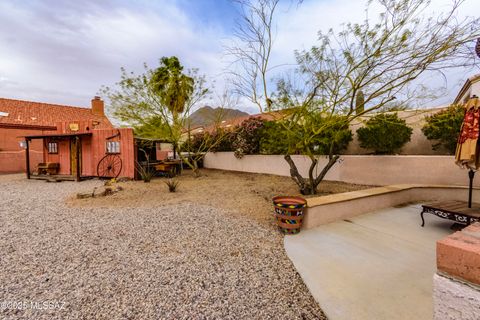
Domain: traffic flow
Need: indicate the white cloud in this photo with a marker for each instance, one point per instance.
(62, 52)
(48, 59)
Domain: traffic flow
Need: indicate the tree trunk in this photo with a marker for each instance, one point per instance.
(310, 186)
(195, 169)
(331, 161)
(299, 180)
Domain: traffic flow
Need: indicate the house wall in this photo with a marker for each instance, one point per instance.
(12, 157)
(474, 89)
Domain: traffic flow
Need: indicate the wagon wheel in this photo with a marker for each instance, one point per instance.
(109, 166)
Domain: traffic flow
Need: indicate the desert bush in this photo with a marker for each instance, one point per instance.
(220, 140)
(276, 140)
(196, 142)
(385, 133)
(226, 143)
(273, 140)
(444, 127)
(248, 137)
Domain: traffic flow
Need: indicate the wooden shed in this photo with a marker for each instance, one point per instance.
(83, 149)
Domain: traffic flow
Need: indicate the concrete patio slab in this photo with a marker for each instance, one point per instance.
(374, 266)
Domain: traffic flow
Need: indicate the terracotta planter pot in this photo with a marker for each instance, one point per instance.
(289, 213)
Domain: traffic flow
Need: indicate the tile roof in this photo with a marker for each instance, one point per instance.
(27, 113)
(234, 122)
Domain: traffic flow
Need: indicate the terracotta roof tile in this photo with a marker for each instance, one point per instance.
(27, 113)
(232, 123)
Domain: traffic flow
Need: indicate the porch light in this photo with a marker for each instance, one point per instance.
(23, 144)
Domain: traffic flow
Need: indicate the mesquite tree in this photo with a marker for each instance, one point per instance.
(378, 58)
(250, 50)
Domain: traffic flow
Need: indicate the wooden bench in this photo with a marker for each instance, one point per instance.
(454, 210)
(50, 168)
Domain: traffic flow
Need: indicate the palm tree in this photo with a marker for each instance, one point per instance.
(174, 87)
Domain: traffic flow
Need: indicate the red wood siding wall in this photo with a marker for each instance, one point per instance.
(94, 149)
(98, 149)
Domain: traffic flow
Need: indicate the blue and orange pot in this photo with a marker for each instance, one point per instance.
(289, 213)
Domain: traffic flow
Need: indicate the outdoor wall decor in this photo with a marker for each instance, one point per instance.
(73, 127)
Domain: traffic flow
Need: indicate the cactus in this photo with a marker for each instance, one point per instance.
(360, 102)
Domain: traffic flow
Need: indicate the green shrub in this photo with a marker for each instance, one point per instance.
(384, 133)
(444, 127)
(196, 142)
(336, 135)
(273, 139)
(276, 140)
(227, 140)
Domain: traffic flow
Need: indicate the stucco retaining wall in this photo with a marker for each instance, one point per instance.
(342, 206)
(360, 169)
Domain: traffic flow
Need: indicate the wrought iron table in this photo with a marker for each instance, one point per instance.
(457, 211)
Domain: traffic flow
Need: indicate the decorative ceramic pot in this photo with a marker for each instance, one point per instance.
(289, 213)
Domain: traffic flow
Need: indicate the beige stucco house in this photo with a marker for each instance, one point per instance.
(469, 89)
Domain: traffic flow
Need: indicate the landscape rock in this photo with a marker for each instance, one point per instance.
(182, 261)
(84, 195)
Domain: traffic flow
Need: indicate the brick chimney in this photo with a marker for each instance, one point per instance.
(98, 107)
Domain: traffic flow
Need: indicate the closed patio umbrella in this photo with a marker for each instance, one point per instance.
(467, 154)
(477, 48)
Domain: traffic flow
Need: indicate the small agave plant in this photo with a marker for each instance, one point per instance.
(172, 184)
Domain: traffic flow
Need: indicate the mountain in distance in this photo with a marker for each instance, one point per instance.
(207, 115)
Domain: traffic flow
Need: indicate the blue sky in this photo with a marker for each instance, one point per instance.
(64, 51)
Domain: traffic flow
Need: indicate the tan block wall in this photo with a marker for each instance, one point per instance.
(361, 169)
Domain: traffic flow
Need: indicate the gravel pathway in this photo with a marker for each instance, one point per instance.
(173, 262)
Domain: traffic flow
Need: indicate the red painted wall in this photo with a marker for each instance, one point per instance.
(94, 149)
(12, 157)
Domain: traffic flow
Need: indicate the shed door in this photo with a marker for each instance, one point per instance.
(75, 155)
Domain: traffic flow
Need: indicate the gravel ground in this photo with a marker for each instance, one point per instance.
(239, 193)
(172, 262)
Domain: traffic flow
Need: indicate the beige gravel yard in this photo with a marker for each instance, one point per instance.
(245, 195)
(150, 259)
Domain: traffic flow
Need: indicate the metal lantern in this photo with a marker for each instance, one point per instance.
(477, 48)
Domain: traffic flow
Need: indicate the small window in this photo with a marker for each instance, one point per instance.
(52, 147)
(113, 146)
